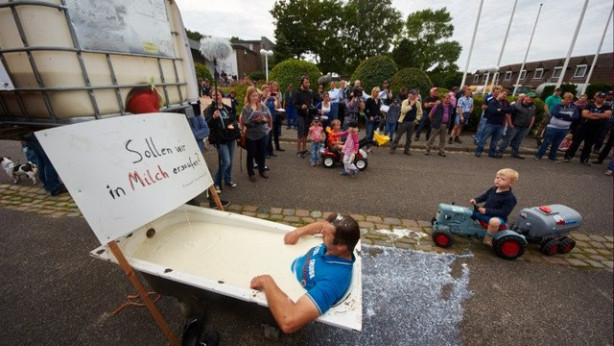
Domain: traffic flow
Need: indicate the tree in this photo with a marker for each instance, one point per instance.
(194, 35)
(338, 36)
(369, 30)
(303, 26)
(424, 43)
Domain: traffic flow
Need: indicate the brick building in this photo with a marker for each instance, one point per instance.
(545, 72)
(244, 59)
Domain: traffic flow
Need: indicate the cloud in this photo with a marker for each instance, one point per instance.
(557, 23)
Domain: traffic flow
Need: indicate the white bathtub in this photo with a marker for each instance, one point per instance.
(221, 252)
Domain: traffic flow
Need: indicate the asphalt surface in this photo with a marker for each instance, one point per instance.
(53, 293)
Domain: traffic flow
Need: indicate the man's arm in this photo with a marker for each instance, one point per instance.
(312, 228)
(289, 316)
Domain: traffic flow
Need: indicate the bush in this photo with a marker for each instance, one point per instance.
(593, 88)
(411, 78)
(257, 76)
(203, 72)
(373, 71)
(290, 71)
(566, 87)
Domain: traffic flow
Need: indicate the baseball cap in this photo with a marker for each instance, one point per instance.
(415, 91)
(558, 89)
(601, 94)
(353, 123)
(531, 94)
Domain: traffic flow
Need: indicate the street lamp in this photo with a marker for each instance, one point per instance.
(266, 54)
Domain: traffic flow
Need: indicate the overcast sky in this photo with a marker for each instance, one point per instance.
(553, 35)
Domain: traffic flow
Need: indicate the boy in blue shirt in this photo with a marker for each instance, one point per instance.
(499, 203)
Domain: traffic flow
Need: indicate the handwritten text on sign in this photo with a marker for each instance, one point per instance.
(120, 180)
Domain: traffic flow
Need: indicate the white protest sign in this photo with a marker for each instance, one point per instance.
(126, 171)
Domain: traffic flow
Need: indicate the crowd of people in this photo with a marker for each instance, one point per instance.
(329, 117)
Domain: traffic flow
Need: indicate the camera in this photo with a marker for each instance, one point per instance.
(357, 93)
(273, 94)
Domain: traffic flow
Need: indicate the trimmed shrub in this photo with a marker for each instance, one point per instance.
(203, 72)
(566, 87)
(257, 76)
(593, 88)
(290, 72)
(373, 71)
(411, 78)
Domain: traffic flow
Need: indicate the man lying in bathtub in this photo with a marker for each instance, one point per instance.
(325, 271)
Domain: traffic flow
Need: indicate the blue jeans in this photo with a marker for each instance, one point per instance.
(493, 131)
(315, 152)
(554, 136)
(369, 132)
(225, 155)
(390, 128)
(334, 110)
(425, 122)
(46, 172)
(611, 164)
(515, 136)
(290, 117)
(480, 132)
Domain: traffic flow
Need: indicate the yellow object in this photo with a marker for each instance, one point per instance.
(380, 139)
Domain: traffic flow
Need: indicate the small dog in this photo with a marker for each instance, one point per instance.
(16, 171)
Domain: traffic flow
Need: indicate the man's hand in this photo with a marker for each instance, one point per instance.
(291, 238)
(472, 201)
(482, 210)
(258, 282)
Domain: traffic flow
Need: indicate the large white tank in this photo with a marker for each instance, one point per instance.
(66, 63)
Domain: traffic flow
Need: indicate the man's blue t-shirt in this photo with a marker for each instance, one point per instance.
(326, 278)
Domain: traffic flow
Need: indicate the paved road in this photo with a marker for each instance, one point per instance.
(412, 186)
(54, 294)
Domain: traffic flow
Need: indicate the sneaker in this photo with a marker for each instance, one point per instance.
(457, 140)
(450, 140)
(566, 160)
(518, 157)
(231, 184)
(442, 154)
(609, 172)
(252, 178)
(586, 163)
(427, 153)
(478, 154)
(407, 152)
(354, 173)
(344, 173)
(391, 151)
(217, 189)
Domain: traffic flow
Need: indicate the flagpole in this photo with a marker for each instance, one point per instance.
(590, 72)
(527, 52)
(475, 31)
(495, 75)
(573, 43)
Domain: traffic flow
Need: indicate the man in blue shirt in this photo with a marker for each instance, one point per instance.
(325, 271)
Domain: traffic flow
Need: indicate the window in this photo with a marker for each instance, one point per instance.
(539, 72)
(476, 78)
(557, 72)
(580, 71)
(485, 78)
(523, 74)
(508, 75)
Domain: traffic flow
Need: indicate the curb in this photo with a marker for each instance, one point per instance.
(591, 251)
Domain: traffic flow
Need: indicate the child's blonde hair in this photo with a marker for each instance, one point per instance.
(509, 173)
(336, 122)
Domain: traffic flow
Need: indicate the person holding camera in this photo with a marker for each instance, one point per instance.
(303, 102)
